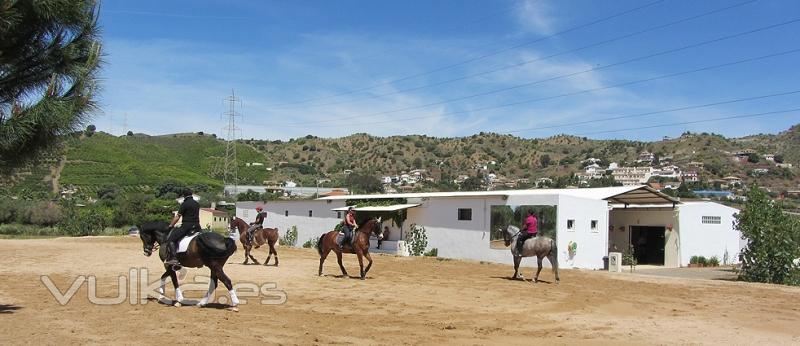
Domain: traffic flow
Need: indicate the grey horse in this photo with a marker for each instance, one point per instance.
(539, 246)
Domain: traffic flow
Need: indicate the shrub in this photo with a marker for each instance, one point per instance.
(289, 238)
(417, 240)
(432, 253)
(311, 243)
(694, 260)
(773, 241)
(713, 261)
(702, 261)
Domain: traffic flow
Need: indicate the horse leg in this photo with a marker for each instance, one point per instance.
(539, 262)
(212, 286)
(178, 293)
(250, 253)
(369, 264)
(339, 260)
(360, 256)
(269, 256)
(272, 249)
(163, 285)
(325, 252)
(227, 282)
(246, 253)
(517, 261)
(554, 263)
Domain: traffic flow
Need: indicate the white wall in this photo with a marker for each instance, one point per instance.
(459, 239)
(699, 239)
(592, 243)
(322, 221)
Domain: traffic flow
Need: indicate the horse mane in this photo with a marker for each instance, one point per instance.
(153, 226)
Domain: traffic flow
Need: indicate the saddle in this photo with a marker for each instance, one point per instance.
(183, 244)
(347, 241)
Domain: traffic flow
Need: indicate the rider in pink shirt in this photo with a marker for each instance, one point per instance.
(530, 229)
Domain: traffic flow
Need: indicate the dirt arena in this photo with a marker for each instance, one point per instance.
(403, 301)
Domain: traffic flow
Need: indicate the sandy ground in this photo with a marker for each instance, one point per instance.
(403, 301)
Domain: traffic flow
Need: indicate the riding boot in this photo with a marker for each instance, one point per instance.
(171, 254)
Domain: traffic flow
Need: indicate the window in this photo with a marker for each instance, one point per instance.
(464, 214)
(594, 225)
(570, 224)
(286, 213)
(338, 214)
(712, 220)
(310, 213)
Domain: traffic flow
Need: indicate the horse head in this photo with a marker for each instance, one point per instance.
(509, 233)
(373, 226)
(148, 241)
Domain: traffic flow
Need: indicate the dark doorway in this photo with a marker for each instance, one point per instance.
(648, 244)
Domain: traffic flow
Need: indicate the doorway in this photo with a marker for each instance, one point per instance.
(648, 243)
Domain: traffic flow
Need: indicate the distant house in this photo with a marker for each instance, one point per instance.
(769, 157)
(646, 156)
(696, 164)
(629, 176)
(783, 165)
(733, 180)
(289, 183)
(335, 192)
(690, 176)
(215, 219)
(712, 194)
(760, 171)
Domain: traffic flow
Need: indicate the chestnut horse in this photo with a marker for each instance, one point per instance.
(207, 249)
(360, 246)
(261, 236)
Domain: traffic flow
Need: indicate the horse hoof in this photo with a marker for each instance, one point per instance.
(177, 304)
(233, 308)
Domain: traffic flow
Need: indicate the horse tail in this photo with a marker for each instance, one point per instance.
(319, 243)
(554, 254)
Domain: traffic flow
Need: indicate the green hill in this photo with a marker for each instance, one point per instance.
(141, 161)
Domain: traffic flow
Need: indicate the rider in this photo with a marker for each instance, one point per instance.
(259, 223)
(349, 226)
(189, 213)
(529, 229)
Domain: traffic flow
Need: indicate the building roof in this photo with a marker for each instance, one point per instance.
(637, 194)
(393, 207)
(215, 212)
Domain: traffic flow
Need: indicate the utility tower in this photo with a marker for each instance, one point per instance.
(231, 170)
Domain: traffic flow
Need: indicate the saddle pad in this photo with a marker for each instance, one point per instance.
(183, 245)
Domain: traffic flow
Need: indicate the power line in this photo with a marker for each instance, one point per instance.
(585, 91)
(706, 105)
(514, 87)
(503, 68)
(692, 122)
(479, 57)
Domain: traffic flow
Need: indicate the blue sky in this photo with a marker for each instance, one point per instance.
(533, 68)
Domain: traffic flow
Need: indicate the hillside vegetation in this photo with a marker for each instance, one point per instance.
(141, 161)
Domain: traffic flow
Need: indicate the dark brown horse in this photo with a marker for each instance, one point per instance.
(207, 249)
(261, 236)
(360, 246)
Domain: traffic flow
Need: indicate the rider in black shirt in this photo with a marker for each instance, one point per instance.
(189, 212)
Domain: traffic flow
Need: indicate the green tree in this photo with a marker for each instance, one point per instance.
(49, 55)
(773, 241)
(472, 184)
(90, 130)
(544, 160)
(363, 183)
(753, 158)
(250, 195)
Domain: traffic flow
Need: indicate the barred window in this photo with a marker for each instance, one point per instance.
(464, 214)
(713, 220)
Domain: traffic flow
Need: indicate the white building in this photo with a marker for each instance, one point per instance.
(598, 220)
(629, 176)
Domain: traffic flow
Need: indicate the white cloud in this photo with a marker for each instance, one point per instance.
(535, 16)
